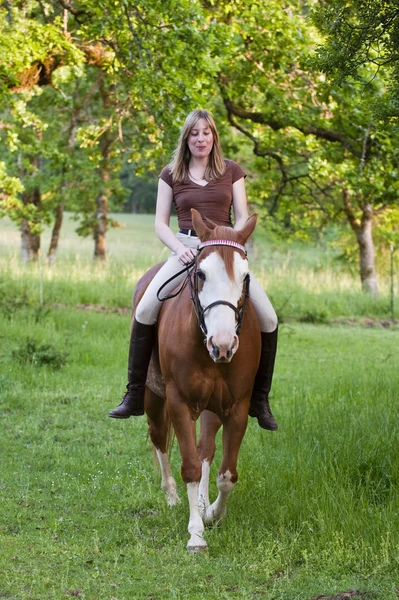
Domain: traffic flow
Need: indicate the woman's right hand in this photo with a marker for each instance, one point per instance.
(185, 255)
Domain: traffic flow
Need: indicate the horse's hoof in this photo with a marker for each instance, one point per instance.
(211, 518)
(197, 549)
(196, 544)
(172, 499)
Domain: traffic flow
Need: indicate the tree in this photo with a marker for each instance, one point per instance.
(120, 77)
(323, 153)
(151, 72)
(26, 66)
(361, 41)
(142, 190)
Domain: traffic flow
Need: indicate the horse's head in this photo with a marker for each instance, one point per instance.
(221, 280)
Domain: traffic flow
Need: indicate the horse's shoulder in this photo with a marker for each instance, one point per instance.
(144, 282)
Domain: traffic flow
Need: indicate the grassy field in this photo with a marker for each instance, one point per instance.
(316, 511)
(305, 283)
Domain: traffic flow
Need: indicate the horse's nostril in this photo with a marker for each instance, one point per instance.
(215, 350)
(229, 353)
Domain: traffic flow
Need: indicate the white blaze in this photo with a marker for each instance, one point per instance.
(221, 320)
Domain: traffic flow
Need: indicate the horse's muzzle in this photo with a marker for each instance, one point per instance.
(222, 352)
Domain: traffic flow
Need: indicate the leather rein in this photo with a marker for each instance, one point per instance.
(192, 273)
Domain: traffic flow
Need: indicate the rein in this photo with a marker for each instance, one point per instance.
(191, 268)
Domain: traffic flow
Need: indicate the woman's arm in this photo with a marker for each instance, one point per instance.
(162, 220)
(240, 206)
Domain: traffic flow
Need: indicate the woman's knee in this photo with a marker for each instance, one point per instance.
(147, 312)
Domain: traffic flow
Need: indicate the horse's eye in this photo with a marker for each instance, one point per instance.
(201, 275)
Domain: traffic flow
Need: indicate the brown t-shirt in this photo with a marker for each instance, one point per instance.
(213, 200)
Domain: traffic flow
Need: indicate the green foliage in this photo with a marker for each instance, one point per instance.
(27, 39)
(310, 135)
(314, 317)
(39, 354)
(362, 34)
(91, 87)
(79, 113)
(142, 190)
(10, 188)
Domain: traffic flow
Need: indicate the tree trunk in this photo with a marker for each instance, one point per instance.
(55, 235)
(100, 229)
(364, 236)
(30, 242)
(101, 226)
(363, 230)
(73, 126)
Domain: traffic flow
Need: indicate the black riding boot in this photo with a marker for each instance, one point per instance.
(141, 345)
(260, 407)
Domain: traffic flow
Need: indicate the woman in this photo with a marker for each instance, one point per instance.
(198, 177)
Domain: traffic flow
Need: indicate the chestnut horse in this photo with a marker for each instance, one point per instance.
(202, 368)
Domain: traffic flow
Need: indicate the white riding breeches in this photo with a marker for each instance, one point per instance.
(149, 305)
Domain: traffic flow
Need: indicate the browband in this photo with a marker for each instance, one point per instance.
(222, 243)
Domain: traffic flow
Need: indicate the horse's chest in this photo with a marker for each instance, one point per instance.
(209, 392)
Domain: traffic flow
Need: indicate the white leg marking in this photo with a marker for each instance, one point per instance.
(196, 542)
(168, 483)
(203, 492)
(217, 510)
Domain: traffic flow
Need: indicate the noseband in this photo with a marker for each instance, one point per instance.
(193, 287)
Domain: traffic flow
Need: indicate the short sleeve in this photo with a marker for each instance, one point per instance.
(166, 176)
(237, 172)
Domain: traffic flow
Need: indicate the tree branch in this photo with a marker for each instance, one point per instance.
(319, 132)
(146, 22)
(136, 38)
(74, 11)
(263, 153)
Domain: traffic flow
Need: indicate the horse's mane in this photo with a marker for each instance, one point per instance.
(226, 252)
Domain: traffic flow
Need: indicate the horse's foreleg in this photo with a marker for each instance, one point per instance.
(233, 433)
(184, 427)
(210, 424)
(160, 431)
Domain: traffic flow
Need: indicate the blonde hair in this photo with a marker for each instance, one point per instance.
(179, 166)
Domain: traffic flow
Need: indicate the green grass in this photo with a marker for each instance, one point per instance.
(316, 509)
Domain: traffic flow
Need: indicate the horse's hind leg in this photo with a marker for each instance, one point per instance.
(210, 425)
(160, 434)
(233, 433)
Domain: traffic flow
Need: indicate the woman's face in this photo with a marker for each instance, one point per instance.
(200, 139)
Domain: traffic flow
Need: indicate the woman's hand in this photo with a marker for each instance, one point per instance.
(185, 255)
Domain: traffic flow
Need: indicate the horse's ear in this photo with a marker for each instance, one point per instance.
(202, 230)
(248, 228)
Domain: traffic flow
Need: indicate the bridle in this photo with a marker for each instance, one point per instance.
(192, 273)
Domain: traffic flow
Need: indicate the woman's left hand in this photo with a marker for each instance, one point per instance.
(185, 255)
